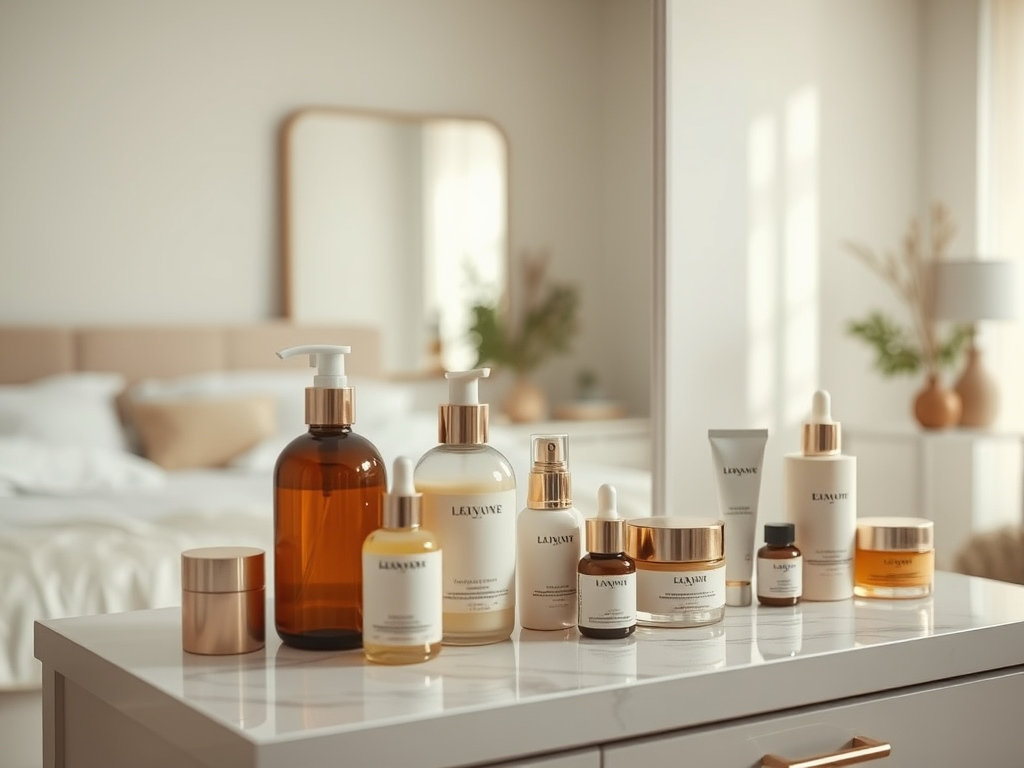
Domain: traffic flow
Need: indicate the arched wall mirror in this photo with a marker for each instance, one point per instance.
(394, 220)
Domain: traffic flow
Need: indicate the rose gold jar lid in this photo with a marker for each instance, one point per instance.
(222, 569)
(675, 539)
(896, 534)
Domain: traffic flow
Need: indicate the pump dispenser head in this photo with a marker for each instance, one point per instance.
(402, 506)
(606, 533)
(549, 486)
(821, 435)
(330, 401)
(463, 420)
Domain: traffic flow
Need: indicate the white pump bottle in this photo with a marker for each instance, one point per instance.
(820, 498)
(329, 486)
(469, 502)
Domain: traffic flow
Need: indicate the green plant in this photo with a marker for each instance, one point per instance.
(894, 348)
(909, 274)
(549, 321)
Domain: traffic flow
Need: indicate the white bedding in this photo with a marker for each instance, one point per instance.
(107, 553)
(77, 554)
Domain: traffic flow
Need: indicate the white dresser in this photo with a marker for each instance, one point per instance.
(940, 679)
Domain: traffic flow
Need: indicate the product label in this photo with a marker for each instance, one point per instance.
(402, 599)
(547, 554)
(780, 578)
(478, 535)
(607, 602)
(674, 592)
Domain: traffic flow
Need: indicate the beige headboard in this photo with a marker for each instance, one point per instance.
(160, 351)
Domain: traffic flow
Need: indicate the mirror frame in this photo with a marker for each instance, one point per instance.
(285, 192)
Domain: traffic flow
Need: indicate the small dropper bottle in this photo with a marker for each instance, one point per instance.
(606, 578)
(401, 580)
(779, 566)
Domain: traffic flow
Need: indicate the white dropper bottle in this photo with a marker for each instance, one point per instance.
(820, 499)
(469, 502)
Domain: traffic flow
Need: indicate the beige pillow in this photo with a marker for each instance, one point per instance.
(202, 432)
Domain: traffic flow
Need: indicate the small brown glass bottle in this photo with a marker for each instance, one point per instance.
(606, 578)
(779, 566)
(329, 487)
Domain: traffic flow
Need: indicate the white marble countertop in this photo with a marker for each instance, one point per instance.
(539, 692)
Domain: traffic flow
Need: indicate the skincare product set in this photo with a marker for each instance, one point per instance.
(441, 557)
(823, 552)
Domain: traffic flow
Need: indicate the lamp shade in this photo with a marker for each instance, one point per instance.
(968, 290)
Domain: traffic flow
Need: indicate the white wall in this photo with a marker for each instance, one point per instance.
(138, 146)
(793, 126)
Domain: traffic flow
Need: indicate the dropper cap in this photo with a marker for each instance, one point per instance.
(821, 436)
(330, 402)
(403, 505)
(606, 533)
(463, 420)
(550, 485)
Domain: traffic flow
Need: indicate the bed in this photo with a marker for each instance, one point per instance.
(120, 447)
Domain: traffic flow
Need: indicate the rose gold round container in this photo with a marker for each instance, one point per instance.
(223, 600)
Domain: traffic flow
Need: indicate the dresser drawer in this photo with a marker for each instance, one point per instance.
(972, 721)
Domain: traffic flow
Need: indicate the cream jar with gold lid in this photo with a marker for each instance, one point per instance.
(894, 558)
(680, 570)
(223, 600)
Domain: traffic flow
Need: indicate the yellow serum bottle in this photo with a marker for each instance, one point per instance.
(469, 502)
(401, 579)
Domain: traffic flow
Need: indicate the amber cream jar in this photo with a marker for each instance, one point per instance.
(680, 570)
(223, 600)
(895, 557)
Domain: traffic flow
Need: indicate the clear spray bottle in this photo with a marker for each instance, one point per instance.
(548, 539)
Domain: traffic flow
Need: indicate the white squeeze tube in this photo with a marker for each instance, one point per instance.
(738, 456)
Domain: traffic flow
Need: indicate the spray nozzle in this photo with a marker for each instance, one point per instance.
(606, 503)
(328, 359)
(463, 386)
(550, 452)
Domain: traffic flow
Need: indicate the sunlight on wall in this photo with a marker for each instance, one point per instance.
(782, 260)
(1001, 190)
(801, 271)
(763, 310)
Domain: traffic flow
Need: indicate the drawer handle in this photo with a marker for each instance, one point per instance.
(859, 750)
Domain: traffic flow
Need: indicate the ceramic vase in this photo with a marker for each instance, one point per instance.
(525, 401)
(935, 405)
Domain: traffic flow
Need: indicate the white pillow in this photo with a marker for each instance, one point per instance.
(76, 409)
(377, 401)
(34, 466)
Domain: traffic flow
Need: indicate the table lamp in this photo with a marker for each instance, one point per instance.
(968, 291)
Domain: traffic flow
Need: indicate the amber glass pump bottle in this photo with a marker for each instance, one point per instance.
(329, 489)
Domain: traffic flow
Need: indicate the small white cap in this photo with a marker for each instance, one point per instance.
(738, 593)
